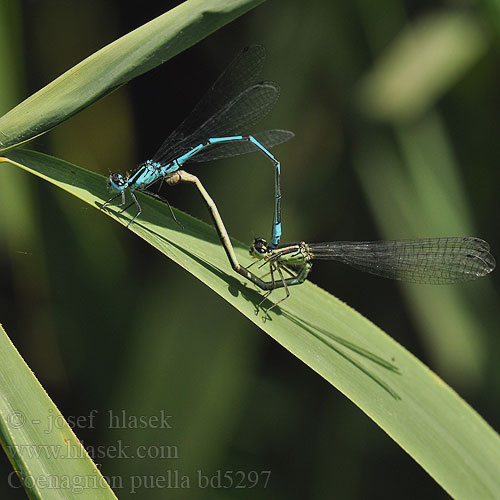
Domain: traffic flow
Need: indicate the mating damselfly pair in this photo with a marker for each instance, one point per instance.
(217, 128)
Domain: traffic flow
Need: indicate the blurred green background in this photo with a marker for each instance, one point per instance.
(395, 106)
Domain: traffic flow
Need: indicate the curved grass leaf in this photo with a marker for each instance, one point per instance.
(114, 65)
(404, 197)
(414, 406)
(49, 460)
(424, 61)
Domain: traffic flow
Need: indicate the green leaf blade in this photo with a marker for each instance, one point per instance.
(114, 65)
(49, 460)
(414, 406)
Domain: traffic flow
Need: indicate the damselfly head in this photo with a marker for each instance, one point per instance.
(117, 182)
(258, 248)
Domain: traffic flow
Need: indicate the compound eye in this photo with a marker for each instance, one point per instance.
(260, 245)
(117, 179)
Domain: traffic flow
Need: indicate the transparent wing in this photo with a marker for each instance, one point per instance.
(233, 118)
(242, 72)
(431, 261)
(233, 103)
